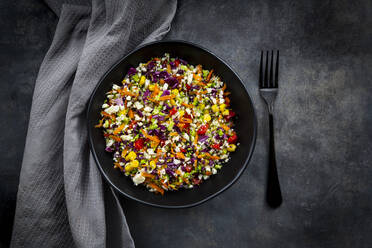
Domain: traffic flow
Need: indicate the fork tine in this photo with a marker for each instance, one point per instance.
(260, 81)
(276, 70)
(271, 84)
(266, 81)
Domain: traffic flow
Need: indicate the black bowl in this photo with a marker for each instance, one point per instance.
(245, 126)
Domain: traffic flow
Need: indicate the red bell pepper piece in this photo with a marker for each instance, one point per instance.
(139, 144)
(232, 139)
(203, 129)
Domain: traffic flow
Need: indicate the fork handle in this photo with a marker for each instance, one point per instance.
(273, 193)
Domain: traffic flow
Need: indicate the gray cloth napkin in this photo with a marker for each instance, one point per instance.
(62, 201)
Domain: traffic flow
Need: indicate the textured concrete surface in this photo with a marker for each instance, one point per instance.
(323, 122)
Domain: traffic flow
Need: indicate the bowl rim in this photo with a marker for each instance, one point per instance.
(98, 164)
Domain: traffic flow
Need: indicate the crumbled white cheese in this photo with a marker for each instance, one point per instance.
(109, 142)
(129, 104)
(165, 86)
(112, 109)
(138, 105)
(214, 171)
(126, 137)
(138, 179)
(176, 161)
(147, 109)
(147, 82)
(105, 105)
(115, 87)
(128, 98)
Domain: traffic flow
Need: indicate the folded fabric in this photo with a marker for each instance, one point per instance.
(62, 201)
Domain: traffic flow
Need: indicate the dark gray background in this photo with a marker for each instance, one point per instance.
(323, 122)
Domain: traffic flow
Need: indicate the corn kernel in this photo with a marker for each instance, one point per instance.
(201, 106)
(142, 81)
(131, 165)
(231, 147)
(175, 92)
(182, 112)
(207, 118)
(123, 112)
(131, 156)
(173, 102)
(222, 107)
(153, 164)
(151, 87)
(215, 108)
(225, 112)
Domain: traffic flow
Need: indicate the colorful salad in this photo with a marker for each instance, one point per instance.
(169, 124)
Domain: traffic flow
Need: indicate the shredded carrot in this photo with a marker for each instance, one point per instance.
(125, 92)
(180, 155)
(157, 188)
(201, 84)
(208, 173)
(185, 120)
(181, 125)
(199, 69)
(100, 124)
(196, 139)
(212, 157)
(224, 87)
(195, 163)
(116, 138)
(163, 98)
(227, 101)
(117, 165)
(202, 92)
(169, 69)
(125, 103)
(156, 59)
(119, 128)
(131, 114)
(124, 152)
(161, 81)
(226, 93)
(105, 114)
(187, 105)
(152, 138)
(173, 134)
(147, 175)
(197, 77)
(209, 75)
(225, 127)
(156, 91)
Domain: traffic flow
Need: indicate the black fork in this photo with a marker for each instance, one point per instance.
(268, 90)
